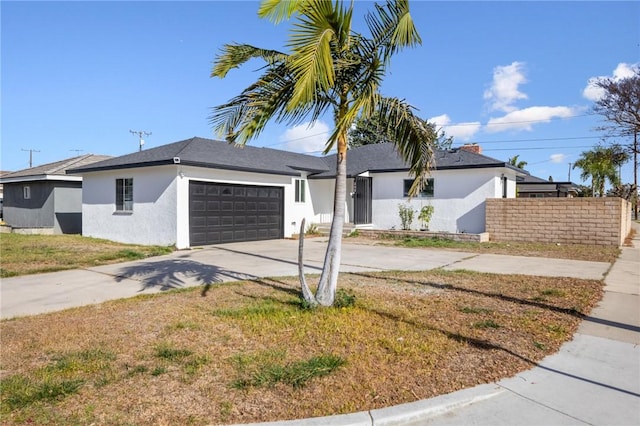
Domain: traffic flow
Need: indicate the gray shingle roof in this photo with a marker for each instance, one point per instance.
(58, 168)
(383, 157)
(222, 155)
(216, 154)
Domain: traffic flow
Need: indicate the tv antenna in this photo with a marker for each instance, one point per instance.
(31, 151)
(141, 134)
(77, 151)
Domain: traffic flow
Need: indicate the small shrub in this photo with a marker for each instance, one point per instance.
(406, 216)
(344, 299)
(354, 233)
(426, 212)
(312, 229)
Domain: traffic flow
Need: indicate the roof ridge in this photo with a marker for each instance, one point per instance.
(66, 164)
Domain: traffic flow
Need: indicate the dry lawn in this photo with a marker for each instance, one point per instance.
(208, 356)
(30, 254)
(592, 253)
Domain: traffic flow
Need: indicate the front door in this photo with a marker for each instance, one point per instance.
(362, 201)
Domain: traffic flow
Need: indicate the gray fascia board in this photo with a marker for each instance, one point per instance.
(36, 178)
(239, 169)
(120, 167)
(182, 163)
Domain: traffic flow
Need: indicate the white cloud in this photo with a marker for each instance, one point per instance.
(462, 131)
(524, 119)
(558, 158)
(306, 137)
(504, 89)
(593, 93)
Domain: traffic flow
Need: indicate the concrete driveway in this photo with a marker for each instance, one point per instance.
(41, 293)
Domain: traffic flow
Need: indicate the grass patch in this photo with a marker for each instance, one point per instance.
(20, 391)
(549, 250)
(31, 254)
(469, 310)
(168, 353)
(295, 374)
(553, 292)
(486, 324)
(248, 352)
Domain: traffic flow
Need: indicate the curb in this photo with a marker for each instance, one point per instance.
(403, 414)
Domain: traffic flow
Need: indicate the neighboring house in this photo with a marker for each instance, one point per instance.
(45, 197)
(1, 194)
(200, 191)
(535, 187)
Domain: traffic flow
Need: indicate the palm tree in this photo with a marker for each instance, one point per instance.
(601, 165)
(330, 69)
(519, 164)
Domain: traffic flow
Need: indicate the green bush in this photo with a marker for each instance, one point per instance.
(406, 216)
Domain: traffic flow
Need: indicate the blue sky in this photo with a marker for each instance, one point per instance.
(511, 76)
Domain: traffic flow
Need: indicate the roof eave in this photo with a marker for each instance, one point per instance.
(35, 178)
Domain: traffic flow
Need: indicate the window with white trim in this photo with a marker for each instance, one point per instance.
(124, 195)
(300, 191)
(26, 192)
(427, 191)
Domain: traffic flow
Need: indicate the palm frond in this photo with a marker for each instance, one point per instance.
(392, 28)
(279, 10)
(234, 55)
(413, 139)
(311, 43)
(245, 116)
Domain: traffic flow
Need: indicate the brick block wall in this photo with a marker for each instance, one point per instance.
(602, 221)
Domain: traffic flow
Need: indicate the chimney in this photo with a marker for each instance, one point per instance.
(472, 147)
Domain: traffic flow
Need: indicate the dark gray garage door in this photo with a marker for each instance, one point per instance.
(224, 213)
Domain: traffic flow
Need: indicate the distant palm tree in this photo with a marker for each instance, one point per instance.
(331, 68)
(519, 164)
(601, 165)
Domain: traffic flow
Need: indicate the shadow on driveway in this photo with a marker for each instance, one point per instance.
(177, 273)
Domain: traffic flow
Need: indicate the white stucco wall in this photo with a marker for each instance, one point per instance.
(323, 193)
(153, 219)
(458, 201)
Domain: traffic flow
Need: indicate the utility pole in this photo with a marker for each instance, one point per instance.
(31, 151)
(569, 180)
(140, 134)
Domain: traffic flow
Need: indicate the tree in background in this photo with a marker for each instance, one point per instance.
(369, 130)
(620, 107)
(519, 164)
(332, 69)
(601, 164)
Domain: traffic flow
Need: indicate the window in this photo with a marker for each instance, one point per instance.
(300, 191)
(427, 191)
(504, 187)
(124, 195)
(26, 192)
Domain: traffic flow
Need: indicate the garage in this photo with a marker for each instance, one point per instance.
(224, 213)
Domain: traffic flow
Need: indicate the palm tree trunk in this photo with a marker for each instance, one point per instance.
(329, 278)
